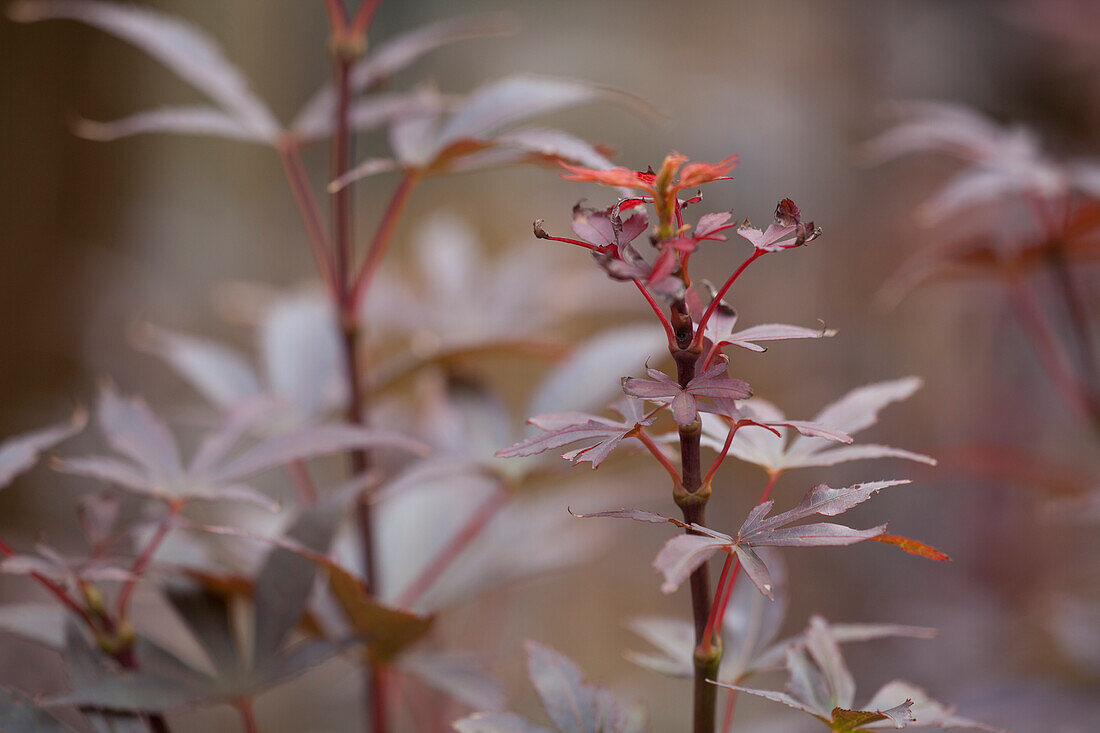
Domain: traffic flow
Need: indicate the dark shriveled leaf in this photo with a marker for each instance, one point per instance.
(913, 547)
(386, 631)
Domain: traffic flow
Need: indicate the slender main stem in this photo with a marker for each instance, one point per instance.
(692, 499)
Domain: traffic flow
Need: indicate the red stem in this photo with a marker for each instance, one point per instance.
(1047, 349)
(772, 477)
(56, 590)
(459, 542)
(381, 239)
(310, 212)
(727, 719)
(141, 564)
(361, 22)
(304, 488)
(708, 631)
(701, 328)
(248, 717)
(673, 472)
(722, 453)
(669, 331)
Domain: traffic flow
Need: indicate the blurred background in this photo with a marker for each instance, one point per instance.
(100, 237)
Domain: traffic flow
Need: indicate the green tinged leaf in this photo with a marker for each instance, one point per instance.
(283, 584)
(387, 631)
(19, 714)
(207, 615)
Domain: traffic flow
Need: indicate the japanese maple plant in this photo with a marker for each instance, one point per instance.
(298, 597)
(716, 411)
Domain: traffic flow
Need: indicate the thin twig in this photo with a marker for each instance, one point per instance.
(309, 211)
(647, 441)
(454, 547)
(381, 240)
(701, 328)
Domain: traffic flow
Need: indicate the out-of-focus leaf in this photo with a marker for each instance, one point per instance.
(462, 675)
(19, 453)
(220, 374)
(137, 691)
(572, 705)
(308, 442)
(587, 379)
(497, 723)
(98, 513)
(132, 429)
(852, 413)
(927, 713)
(18, 714)
(390, 56)
(859, 409)
(86, 665)
(186, 51)
(286, 578)
(207, 616)
(41, 622)
(386, 631)
(682, 555)
(429, 143)
(517, 98)
(183, 120)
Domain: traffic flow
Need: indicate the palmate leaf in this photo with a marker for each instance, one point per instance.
(20, 453)
(389, 57)
(854, 412)
(432, 143)
(497, 723)
(18, 713)
(820, 684)
(284, 582)
(572, 705)
(602, 435)
(683, 554)
(150, 463)
(163, 682)
(187, 52)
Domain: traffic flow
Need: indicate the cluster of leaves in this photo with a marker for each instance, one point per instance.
(711, 408)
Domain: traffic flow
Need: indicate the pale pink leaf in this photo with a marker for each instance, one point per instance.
(20, 453)
(182, 48)
(833, 456)
(307, 443)
(395, 53)
(820, 534)
(209, 121)
(220, 374)
(132, 429)
(682, 555)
